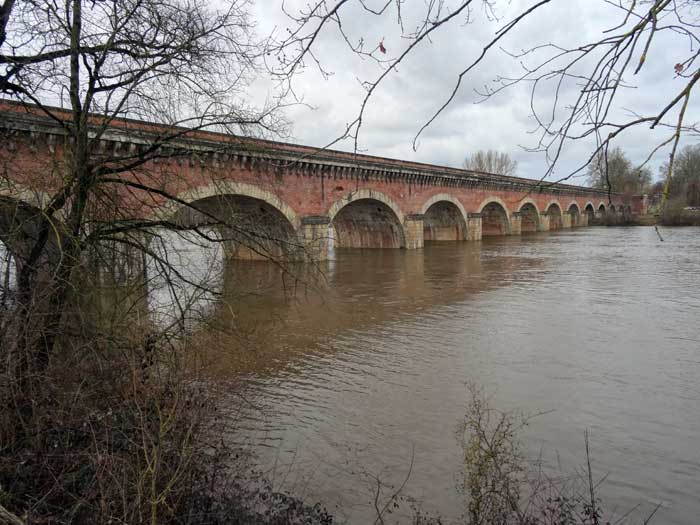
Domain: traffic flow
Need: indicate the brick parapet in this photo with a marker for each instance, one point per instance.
(218, 150)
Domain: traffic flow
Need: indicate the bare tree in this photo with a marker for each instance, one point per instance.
(615, 172)
(177, 62)
(686, 181)
(101, 419)
(491, 161)
(584, 82)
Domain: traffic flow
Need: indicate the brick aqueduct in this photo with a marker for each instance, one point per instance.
(299, 192)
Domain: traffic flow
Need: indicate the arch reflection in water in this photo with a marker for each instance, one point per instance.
(183, 276)
(276, 320)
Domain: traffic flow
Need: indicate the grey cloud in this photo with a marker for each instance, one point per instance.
(411, 94)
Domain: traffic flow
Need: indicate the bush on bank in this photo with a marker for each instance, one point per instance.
(677, 213)
(110, 438)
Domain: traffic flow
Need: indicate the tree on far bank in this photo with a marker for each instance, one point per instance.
(686, 180)
(491, 161)
(617, 174)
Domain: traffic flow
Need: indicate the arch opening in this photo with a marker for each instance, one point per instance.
(250, 228)
(443, 221)
(8, 277)
(555, 219)
(529, 218)
(601, 210)
(20, 230)
(367, 223)
(494, 220)
(612, 209)
(575, 215)
(590, 211)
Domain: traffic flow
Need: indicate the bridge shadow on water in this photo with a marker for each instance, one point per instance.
(267, 315)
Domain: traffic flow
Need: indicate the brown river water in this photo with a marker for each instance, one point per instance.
(599, 328)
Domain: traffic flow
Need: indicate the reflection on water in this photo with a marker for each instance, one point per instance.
(353, 373)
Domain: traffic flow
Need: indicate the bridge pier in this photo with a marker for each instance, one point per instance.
(474, 226)
(583, 220)
(516, 223)
(239, 251)
(566, 219)
(413, 231)
(544, 222)
(315, 235)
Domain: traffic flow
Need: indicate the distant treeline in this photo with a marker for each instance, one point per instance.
(683, 204)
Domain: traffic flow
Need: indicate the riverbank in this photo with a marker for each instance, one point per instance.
(673, 216)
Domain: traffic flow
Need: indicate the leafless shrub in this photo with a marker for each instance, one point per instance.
(102, 418)
(502, 486)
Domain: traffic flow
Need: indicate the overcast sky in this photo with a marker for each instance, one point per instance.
(410, 95)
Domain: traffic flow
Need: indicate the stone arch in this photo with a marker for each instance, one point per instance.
(495, 220)
(554, 201)
(529, 216)
(612, 209)
(554, 213)
(20, 227)
(253, 223)
(444, 197)
(491, 199)
(367, 219)
(589, 210)
(236, 188)
(574, 214)
(602, 209)
(365, 194)
(23, 194)
(444, 219)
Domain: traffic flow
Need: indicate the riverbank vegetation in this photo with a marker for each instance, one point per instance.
(503, 485)
(104, 416)
(683, 192)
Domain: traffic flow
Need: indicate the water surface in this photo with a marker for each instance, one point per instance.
(598, 327)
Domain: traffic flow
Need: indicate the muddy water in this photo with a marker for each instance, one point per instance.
(350, 380)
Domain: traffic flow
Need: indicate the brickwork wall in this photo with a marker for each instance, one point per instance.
(389, 208)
